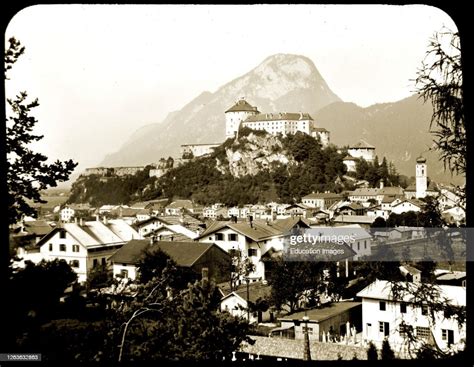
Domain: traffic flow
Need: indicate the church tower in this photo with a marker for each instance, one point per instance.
(421, 177)
(236, 114)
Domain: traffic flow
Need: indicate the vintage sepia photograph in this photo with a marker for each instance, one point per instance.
(235, 184)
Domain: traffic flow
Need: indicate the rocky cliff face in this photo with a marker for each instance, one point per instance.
(281, 83)
(253, 153)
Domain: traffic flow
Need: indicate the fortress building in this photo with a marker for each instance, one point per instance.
(245, 115)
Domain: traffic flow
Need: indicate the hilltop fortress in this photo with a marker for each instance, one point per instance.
(245, 115)
(242, 114)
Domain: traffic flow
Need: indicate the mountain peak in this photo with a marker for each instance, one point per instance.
(281, 83)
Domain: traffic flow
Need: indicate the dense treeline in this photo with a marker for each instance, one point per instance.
(316, 169)
(375, 172)
(98, 190)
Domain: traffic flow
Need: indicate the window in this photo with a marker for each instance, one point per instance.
(104, 261)
(424, 309)
(62, 234)
(444, 334)
(75, 248)
(403, 307)
(358, 246)
(124, 273)
(50, 247)
(384, 328)
(403, 329)
(423, 332)
(382, 305)
(62, 247)
(447, 335)
(252, 252)
(95, 263)
(219, 237)
(74, 263)
(232, 236)
(365, 244)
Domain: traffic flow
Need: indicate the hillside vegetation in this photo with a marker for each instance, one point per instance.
(256, 167)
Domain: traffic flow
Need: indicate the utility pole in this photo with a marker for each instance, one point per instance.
(307, 352)
(248, 299)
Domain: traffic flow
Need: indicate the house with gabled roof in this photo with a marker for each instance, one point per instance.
(363, 194)
(237, 302)
(408, 205)
(251, 239)
(321, 200)
(387, 317)
(189, 254)
(147, 226)
(83, 245)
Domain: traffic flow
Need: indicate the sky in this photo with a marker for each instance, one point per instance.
(100, 72)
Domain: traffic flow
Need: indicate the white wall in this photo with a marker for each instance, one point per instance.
(131, 269)
(373, 315)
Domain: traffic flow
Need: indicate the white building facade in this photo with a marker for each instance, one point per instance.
(384, 318)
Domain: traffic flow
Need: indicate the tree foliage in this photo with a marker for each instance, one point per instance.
(27, 172)
(375, 172)
(440, 82)
(155, 261)
(387, 352)
(294, 283)
(372, 354)
(199, 179)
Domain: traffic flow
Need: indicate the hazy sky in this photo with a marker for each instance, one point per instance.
(102, 71)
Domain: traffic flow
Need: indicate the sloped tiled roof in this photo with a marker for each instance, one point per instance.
(150, 220)
(292, 116)
(122, 229)
(285, 225)
(415, 202)
(320, 129)
(186, 220)
(364, 192)
(362, 144)
(188, 204)
(324, 313)
(391, 190)
(382, 289)
(242, 106)
(37, 227)
(354, 219)
(258, 231)
(323, 195)
(256, 290)
(350, 158)
(183, 253)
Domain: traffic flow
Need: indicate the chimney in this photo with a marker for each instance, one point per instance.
(381, 184)
(105, 220)
(81, 222)
(250, 218)
(97, 217)
(151, 240)
(75, 220)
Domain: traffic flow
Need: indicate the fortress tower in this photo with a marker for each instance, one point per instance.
(239, 112)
